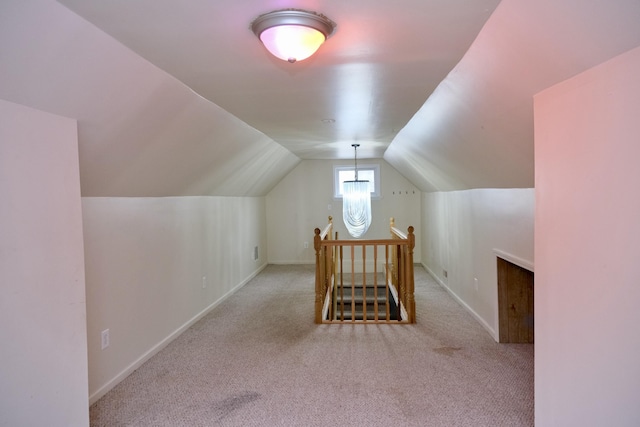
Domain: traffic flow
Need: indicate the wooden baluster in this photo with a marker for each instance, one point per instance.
(332, 288)
(386, 282)
(353, 284)
(334, 293)
(364, 283)
(341, 285)
(375, 282)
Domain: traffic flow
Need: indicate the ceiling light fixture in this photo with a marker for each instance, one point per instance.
(292, 34)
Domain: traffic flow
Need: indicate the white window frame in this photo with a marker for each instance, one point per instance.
(337, 188)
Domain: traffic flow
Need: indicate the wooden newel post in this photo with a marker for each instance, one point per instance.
(319, 279)
(411, 302)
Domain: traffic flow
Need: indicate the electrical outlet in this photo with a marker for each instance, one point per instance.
(255, 253)
(329, 207)
(204, 282)
(306, 245)
(105, 339)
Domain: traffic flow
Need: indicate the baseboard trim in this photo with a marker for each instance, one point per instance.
(94, 397)
(476, 316)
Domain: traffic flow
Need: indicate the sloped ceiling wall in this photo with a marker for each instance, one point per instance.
(141, 132)
(144, 133)
(476, 129)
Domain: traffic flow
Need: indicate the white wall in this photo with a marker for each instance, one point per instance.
(43, 356)
(461, 230)
(299, 204)
(147, 260)
(587, 238)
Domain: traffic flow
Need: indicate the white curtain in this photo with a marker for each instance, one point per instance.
(356, 207)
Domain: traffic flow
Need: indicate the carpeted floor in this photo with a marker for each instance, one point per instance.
(259, 360)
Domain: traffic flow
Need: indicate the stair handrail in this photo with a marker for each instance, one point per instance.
(325, 233)
(396, 232)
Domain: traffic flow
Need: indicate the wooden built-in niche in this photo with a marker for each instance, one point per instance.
(515, 302)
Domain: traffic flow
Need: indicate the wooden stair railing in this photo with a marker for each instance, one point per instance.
(403, 269)
(324, 267)
(364, 281)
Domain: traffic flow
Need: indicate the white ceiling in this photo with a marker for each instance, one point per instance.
(180, 98)
(371, 76)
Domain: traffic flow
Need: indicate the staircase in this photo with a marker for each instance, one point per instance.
(351, 302)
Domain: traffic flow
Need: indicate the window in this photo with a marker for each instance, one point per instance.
(369, 173)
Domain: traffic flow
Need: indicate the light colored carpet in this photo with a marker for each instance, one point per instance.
(259, 360)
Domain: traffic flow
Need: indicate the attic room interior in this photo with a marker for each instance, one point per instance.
(155, 157)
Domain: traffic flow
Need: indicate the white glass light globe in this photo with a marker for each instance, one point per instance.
(292, 42)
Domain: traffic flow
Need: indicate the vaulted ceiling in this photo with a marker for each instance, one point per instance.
(180, 98)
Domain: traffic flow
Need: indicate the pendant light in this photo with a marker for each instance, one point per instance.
(356, 202)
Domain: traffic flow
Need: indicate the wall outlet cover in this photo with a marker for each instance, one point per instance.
(105, 339)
